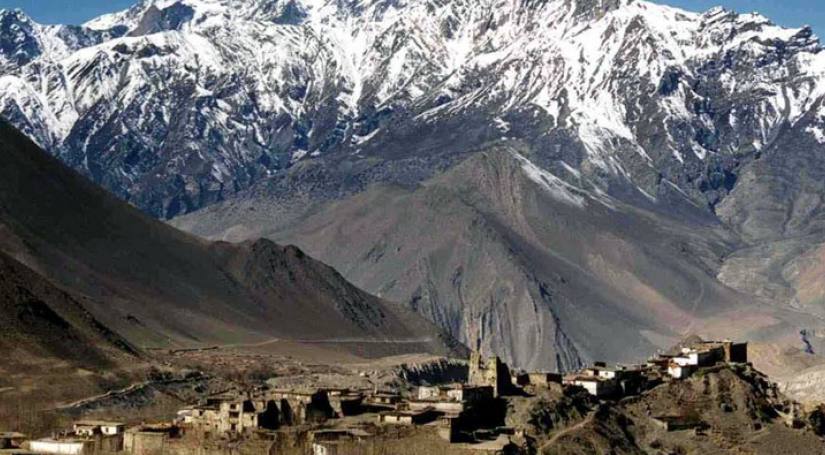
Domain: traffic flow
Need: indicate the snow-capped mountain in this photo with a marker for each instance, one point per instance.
(177, 104)
(554, 170)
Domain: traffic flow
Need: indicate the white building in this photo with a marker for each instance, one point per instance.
(62, 446)
(607, 373)
(679, 371)
(429, 393)
(92, 427)
(596, 386)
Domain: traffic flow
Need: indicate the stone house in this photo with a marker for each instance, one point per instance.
(235, 416)
(701, 357)
(205, 419)
(299, 407)
(149, 439)
(679, 371)
(595, 385)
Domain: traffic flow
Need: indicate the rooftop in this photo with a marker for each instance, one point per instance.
(66, 440)
(407, 413)
(583, 378)
(97, 423)
(342, 431)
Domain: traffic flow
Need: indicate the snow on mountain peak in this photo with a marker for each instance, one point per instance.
(249, 87)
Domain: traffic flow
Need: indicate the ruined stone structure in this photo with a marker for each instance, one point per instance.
(225, 415)
(345, 402)
(297, 408)
(269, 411)
(490, 371)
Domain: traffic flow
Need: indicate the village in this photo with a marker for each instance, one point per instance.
(332, 421)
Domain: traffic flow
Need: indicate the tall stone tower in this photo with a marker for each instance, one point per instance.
(490, 371)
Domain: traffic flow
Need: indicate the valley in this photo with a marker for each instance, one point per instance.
(227, 224)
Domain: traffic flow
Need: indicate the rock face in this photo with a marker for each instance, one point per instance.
(546, 176)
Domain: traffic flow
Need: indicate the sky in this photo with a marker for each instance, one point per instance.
(790, 13)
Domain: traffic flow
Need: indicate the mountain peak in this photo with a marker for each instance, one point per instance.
(15, 13)
(18, 38)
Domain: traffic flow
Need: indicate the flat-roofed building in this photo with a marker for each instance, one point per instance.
(67, 446)
(679, 371)
(93, 427)
(595, 385)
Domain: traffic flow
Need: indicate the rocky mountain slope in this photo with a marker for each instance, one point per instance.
(735, 409)
(659, 167)
(508, 258)
(40, 321)
(158, 287)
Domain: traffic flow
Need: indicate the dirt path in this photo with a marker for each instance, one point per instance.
(124, 392)
(568, 430)
(112, 393)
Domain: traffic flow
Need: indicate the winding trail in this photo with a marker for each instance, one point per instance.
(588, 419)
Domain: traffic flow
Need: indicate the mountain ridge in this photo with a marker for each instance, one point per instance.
(693, 127)
(157, 286)
(331, 85)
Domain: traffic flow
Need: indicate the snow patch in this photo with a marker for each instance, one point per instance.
(556, 187)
